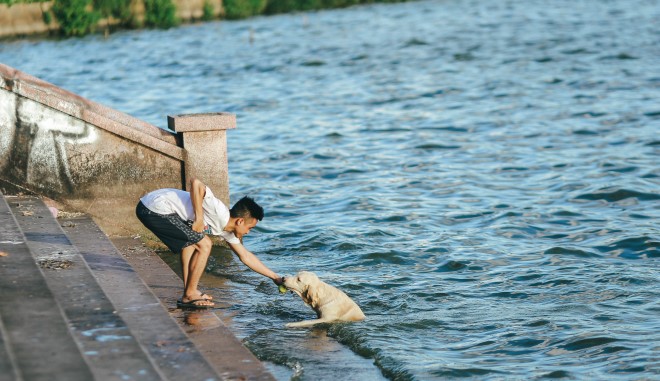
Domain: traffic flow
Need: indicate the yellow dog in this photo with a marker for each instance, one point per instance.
(329, 303)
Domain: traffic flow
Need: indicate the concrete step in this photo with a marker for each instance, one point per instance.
(162, 337)
(100, 309)
(128, 273)
(107, 344)
(220, 346)
(36, 340)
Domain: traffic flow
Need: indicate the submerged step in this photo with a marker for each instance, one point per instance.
(36, 342)
(106, 342)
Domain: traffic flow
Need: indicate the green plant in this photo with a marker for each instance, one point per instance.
(47, 16)
(341, 3)
(240, 9)
(309, 5)
(160, 13)
(280, 6)
(119, 9)
(12, 2)
(285, 6)
(74, 17)
(207, 11)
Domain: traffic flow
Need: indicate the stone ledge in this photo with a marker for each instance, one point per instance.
(201, 122)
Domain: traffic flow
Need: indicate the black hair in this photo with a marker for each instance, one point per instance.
(246, 208)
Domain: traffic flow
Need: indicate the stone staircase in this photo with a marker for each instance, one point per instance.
(72, 307)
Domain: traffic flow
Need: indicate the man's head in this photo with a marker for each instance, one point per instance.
(246, 213)
(246, 208)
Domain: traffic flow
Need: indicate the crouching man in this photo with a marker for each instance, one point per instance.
(182, 220)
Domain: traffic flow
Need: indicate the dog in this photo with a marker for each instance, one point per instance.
(329, 303)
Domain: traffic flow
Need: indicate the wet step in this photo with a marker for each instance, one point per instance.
(106, 342)
(36, 343)
(100, 314)
(167, 344)
(127, 276)
(225, 352)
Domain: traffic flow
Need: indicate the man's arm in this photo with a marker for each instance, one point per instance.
(197, 193)
(251, 261)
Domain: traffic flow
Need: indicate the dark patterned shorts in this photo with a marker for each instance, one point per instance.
(174, 231)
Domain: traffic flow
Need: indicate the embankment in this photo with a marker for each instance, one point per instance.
(27, 19)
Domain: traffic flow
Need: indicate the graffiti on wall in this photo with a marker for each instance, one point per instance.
(34, 142)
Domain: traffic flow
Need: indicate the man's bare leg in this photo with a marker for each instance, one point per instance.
(193, 262)
(186, 254)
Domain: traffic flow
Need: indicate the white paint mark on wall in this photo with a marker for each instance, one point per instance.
(47, 133)
(7, 125)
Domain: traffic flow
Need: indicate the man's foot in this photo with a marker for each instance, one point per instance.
(199, 295)
(194, 303)
(205, 296)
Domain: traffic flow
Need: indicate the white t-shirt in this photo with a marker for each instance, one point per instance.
(216, 214)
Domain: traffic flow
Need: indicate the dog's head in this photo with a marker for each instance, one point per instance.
(304, 284)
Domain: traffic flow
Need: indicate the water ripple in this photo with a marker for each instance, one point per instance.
(487, 191)
(613, 195)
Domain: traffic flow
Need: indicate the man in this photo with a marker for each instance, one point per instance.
(182, 219)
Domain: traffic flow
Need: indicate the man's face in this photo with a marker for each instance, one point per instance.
(244, 225)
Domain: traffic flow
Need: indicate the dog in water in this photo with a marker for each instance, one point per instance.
(329, 303)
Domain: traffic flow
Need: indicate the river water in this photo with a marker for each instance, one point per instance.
(482, 177)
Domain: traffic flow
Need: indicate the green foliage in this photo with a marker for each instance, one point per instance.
(47, 17)
(160, 13)
(240, 9)
(284, 6)
(12, 2)
(308, 5)
(119, 9)
(74, 17)
(280, 6)
(79, 17)
(207, 11)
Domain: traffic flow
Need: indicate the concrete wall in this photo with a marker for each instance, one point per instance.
(27, 19)
(93, 159)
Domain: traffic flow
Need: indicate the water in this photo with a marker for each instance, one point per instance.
(480, 176)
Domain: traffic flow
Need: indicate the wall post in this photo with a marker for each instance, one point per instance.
(204, 139)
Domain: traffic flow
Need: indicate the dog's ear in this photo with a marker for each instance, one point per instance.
(314, 295)
(305, 295)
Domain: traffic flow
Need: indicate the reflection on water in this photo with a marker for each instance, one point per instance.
(481, 177)
(201, 320)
